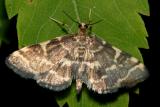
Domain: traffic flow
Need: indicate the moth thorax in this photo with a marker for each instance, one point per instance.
(81, 51)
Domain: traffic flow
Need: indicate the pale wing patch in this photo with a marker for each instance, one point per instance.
(111, 68)
(118, 52)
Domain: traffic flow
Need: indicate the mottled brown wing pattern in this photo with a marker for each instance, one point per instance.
(29, 61)
(42, 62)
(116, 69)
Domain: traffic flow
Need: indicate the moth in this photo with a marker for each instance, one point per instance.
(82, 57)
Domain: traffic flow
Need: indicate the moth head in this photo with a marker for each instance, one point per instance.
(83, 26)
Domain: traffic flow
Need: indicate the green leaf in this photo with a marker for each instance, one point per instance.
(122, 26)
(3, 22)
(13, 7)
(88, 99)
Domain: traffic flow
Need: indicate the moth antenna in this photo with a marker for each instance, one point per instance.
(95, 22)
(89, 17)
(71, 17)
(63, 26)
(56, 21)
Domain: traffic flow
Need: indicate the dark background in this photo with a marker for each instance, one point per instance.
(18, 92)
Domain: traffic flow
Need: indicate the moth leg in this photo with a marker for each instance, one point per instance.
(64, 27)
